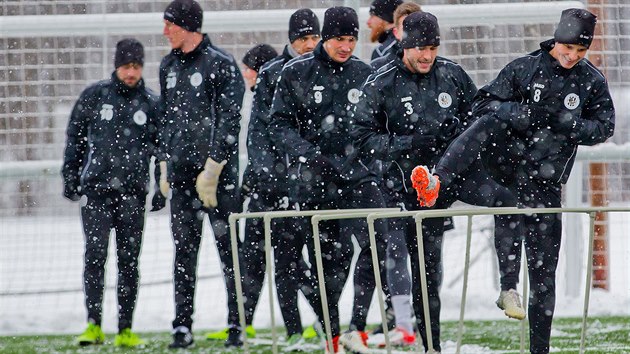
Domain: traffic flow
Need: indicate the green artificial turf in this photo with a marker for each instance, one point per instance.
(604, 335)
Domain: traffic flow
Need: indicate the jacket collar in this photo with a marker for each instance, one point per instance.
(386, 35)
(289, 52)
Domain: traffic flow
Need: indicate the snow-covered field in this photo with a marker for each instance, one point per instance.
(39, 256)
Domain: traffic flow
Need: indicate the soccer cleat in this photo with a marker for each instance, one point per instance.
(337, 347)
(235, 337)
(399, 337)
(426, 185)
(310, 332)
(354, 342)
(295, 343)
(126, 338)
(223, 334)
(93, 334)
(510, 302)
(182, 338)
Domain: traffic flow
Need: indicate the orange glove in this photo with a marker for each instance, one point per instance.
(426, 185)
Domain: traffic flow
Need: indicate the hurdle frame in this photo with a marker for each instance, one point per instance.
(267, 217)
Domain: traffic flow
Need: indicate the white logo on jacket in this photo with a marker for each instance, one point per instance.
(445, 100)
(140, 117)
(353, 95)
(171, 80)
(196, 79)
(107, 112)
(572, 101)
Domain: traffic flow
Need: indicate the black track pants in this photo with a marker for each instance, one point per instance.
(124, 215)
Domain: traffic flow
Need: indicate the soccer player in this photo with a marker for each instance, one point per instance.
(531, 119)
(381, 23)
(266, 183)
(254, 59)
(311, 118)
(201, 95)
(398, 278)
(412, 108)
(111, 137)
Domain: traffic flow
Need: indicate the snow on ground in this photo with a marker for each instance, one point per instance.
(45, 254)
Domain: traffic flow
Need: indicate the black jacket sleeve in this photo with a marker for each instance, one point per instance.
(284, 130)
(229, 90)
(259, 147)
(77, 142)
(597, 121)
(501, 96)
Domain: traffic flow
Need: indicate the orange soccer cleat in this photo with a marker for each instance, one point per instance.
(426, 185)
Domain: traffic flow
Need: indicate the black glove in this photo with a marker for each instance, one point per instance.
(423, 141)
(71, 191)
(527, 117)
(448, 129)
(158, 202)
(565, 123)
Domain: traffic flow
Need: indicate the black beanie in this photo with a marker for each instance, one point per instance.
(302, 23)
(384, 9)
(128, 50)
(187, 14)
(420, 29)
(259, 55)
(340, 21)
(576, 26)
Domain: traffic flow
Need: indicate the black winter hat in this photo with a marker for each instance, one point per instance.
(385, 9)
(187, 14)
(128, 50)
(340, 21)
(302, 23)
(576, 26)
(420, 29)
(259, 55)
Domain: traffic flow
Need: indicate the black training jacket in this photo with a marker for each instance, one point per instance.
(201, 96)
(110, 139)
(538, 80)
(266, 164)
(394, 52)
(397, 103)
(312, 115)
(388, 44)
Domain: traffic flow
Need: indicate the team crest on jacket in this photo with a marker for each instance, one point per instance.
(140, 118)
(572, 101)
(196, 79)
(353, 95)
(107, 112)
(445, 100)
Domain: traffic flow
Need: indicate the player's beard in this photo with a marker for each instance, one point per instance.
(375, 34)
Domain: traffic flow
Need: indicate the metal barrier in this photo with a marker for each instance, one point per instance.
(267, 219)
(425, 214)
